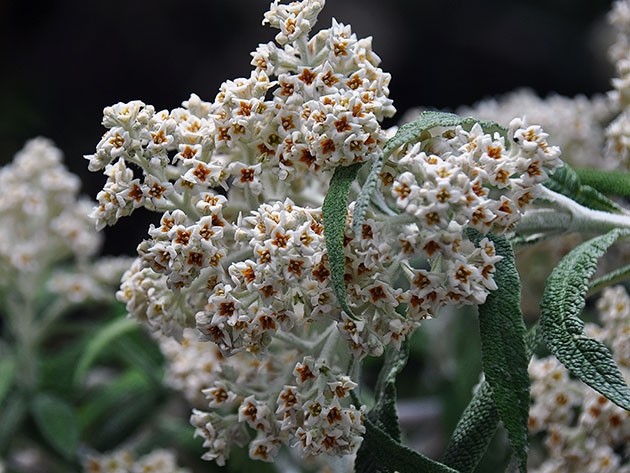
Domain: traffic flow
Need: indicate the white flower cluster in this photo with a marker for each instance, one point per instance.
(618, 132)
(583, 431)
(123, 461)
(165, 146)
(285, 245)
(44, 223)
(236, 258)
(321, 111)
(93, 282)
(459, 180)
(577, 124)
(240, 254)
(287, 400)
(42, 220)
(327, 101)
(268, 275)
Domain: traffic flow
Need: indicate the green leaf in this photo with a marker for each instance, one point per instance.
(103, 338)
(474, 431)
(567, 182)
(606, 182)
(416, 130)
(384, 411)
(139, 350)
(479, 422)
(608, 279)
(503, 348)
(57, 422)
(386, 455)
(563, 330)
(382, 449)
(12, 415)
(335, 210)
(116, 411)
(175, 431)
(57, 366)
(7, 376)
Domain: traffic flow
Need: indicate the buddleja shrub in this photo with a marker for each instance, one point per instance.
(297, 236)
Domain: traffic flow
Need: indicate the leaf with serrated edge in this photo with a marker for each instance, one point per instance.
(408, 133)
(503, 349)
(563, 330)
(335, 212)
(479, 422)
(474, 431)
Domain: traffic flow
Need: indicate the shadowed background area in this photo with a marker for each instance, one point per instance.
(63, 61)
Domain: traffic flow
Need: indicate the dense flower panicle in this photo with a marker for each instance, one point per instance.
(310, 105)
(325, 105)
(294, 20)
(44, 225)
(240, 254)
(123, 461)
(89, 282)
(259, 298)
(584, 431)
(472, 180)
(48, 267)
(618, 131)
(173, 151)
(313, 412)
(42, 218)
(280, 280)
(577, 124)
(454, 182)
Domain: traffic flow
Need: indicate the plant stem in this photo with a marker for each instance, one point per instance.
(48, 318)
(21, 315)
(568, 216)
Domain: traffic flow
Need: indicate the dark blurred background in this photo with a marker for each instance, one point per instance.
(64, 60)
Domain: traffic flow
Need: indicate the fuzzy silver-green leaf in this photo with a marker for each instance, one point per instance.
(566, 181)
(335, 212)
(563, 331)
(386, 455)
(503, 349)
